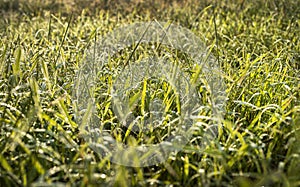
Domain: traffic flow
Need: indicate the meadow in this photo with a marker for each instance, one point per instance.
(43, 45)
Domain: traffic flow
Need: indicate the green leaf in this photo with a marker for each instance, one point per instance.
(5, 164)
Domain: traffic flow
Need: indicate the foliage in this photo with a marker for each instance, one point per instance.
(42, 47)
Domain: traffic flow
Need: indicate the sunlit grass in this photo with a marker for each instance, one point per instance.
(258, 48)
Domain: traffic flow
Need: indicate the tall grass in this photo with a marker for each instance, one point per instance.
(258, 46)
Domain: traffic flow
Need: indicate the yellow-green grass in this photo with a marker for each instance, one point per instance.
(42, 47)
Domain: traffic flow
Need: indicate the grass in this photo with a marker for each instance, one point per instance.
(42, 48)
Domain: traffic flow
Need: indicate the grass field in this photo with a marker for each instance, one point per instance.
(42, 47)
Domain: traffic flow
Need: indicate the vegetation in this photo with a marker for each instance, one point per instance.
(42, 47)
